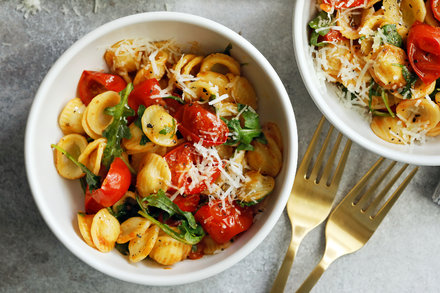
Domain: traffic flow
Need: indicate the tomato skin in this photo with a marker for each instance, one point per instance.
(196, 123)
(223, 224)
(91, 206)
(187, 203)
(115, 184)
(141, 94)
(435, 7)
(342, 4)
(179, 161)
(93, 83)
(423, 48)
(332, 36)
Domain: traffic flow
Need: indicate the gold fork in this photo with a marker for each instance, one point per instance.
(354, 221)
(312, 196)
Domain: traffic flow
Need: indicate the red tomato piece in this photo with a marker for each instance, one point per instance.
(341, 4)
(93, 83)
(187, 203)
(223, 224)
(115, 184)
(423, 48)
(180, 160)
(91, 206)
(435, 7)
(198, 253)
(141, 94)
(332, 36)
(196, 124)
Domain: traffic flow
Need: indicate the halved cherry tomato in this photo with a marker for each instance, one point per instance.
(332, 36)
(224, 223)
(187, 203)
(91, 206)
(180, 160)
(423, 48)
(93, 83)
(340, 4)
(141, 94)
(435, 7)
(198, 124)
(114, 186)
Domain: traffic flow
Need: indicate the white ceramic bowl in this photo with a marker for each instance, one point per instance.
(349, 122)
(59, 200)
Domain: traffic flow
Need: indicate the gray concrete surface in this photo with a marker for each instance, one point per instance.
(403, 255)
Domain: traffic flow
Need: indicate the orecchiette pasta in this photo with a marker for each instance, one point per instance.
(70, 119)
(74, 144)
(154, 174)
(91, 156)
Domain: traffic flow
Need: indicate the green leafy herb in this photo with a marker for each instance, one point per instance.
(127, 209)
(169, 129)
(189, 231)
(376, 90)
(118, 129)
(322, 20)
(228, 49)
(410, 78)
(180, 100)
(138, 123)
(92, 180)
(392, 37)
(243, 136)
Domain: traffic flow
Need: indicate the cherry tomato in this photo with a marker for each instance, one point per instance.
(332, 36)
(115, 184)
(93, 83)
(187, 203)
(91, 206)
(141, 94)
(180, 160)
(196, 124)
(423, 48)
(341, 4)
(435, 7)
(223, 224)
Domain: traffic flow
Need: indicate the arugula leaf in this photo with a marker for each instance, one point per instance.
(138, 123)
(410, 78)
(392, 37)
(314, 40)
(92, 180)
(118, 129)
(228, 49)
(169, 129)
(376, 90)
(322, 20)
(189, 231)
(180, 100)
(243, 136)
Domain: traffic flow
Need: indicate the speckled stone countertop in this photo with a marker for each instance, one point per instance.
(402, 256)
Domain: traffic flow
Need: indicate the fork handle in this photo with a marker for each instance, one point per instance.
(314, 276)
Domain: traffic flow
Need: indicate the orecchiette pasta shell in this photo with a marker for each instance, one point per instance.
(152, 69)
(391, 10)
(168, 251)
(182, 62)
(412, 11)
(349, 21)
(221, 59)
(389, 129)
(420, 90)
(133, 146)
(211, 247)
(85, 226)
(87, 128)
(243, 92)
(154, 174)
(74, 144)
(224, 151)
(216, 79)
(434, 131)
(123, 57)
(272, 130)
(437, 98)
(192, 66)
(140, 247)
(132, 228)
(255, 187)
(105, 230)
(378, 103)
(70, 119)
(96, 117)
(92, 155)
(265, 158)
(226, 109)
(159, 126)
(420, 114)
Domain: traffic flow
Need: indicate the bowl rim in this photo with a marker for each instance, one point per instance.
(289, 160)
(306, 74)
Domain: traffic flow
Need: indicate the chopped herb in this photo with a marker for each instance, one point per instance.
(180, 100)
(378, 91)
(323, 20)
(228, 49)
(92, 180)
(118, 129)
(189, 231)
(169, 129)
(410, 78)
(138, 123)
(392, 37)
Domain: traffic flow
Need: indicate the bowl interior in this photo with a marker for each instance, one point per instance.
(349, 121)
(59, 200)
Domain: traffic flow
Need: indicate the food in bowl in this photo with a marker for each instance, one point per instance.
(169, 150)
(383, 58)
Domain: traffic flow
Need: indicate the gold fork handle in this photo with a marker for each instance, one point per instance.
(313, 278)
(283, 274)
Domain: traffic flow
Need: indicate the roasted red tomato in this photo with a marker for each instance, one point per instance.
(93, 83)
(435, 7)
(114, 186)
(196, 124)
(340, 4)
(182, 162)
(423, 47)
(91, 206)
(141, 94)
(332, 36)
(187, 203)
(223, 224)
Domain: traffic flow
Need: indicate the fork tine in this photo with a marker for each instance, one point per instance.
(372, 207)
(341, 164)
(318, 163)
(302, 169)
(354, 192)
(329, 164)
(394, 197)
(370, 191)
